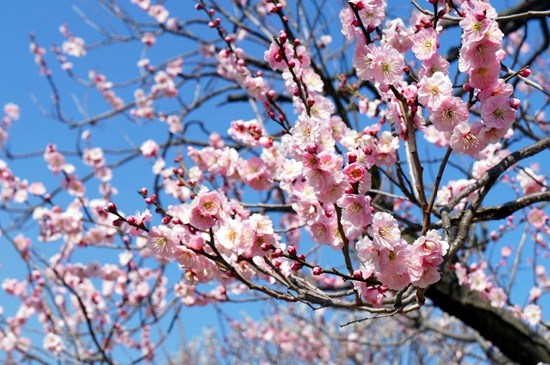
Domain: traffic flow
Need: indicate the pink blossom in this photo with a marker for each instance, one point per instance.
(387, 65)
(12, 111)
(324, 231)
(429, 250)
(356, 214)
(532, 313)
(537, 218)
(365, 250)
(474, 29)
(148, 39)
(497, 297)
(256, 174)
(138, 220)
(349, 30)
(393, 267)
(74, 186)
(37, 188)
(465, 139)
(397, 35)
(434, 89)
(53, 343)
(492, 134)
(385, 151)
(500, 88)
(485, 76)
(433, 135)
(506, 251)
(149, 148)
(248, 132)
(476, 54)
(354, 172)
(74, 46)
(369, 294)
(433, 65)
(143, 4)
(449, 113)
(363, 61)
(206, 210)
(158, 12)
(162, 240)
(496, 112)
(54, 159)
(425, 43)
(384, 231)
(529, 181)
(478, 281)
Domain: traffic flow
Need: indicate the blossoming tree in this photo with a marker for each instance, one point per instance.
(385, 168)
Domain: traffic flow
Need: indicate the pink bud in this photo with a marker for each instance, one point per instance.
(525, 72)
(317, 270)
(311, 148)
(277, 253)
(480, 15)
(111, 207)
(291, 250)
(515, 103)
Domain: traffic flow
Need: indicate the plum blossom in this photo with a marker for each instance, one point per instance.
(354, 172)
(397, 35)
(394, 267)
(497, 297)
(429, 249)
(158, 12)
(537, 218)
(497, 112)
(425, 43)
(53, 343)
(256, 174)
(11, 110)
(529, 181)
(206, 210)
(356, 214)
(486, 75)
(433, 89)
(163, 241)
(384, 231)
(466, 139)
(477, 54)
(532, 313)
(149, 148)
(74, 46)
(387, 65)
(449, 113)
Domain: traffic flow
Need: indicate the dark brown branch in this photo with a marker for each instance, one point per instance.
(511, 335)
(504, 210)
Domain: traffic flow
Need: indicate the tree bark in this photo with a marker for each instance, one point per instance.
(511, 335)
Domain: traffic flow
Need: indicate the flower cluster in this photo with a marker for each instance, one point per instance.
(385, 254)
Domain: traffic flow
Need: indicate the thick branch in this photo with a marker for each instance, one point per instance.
(515, 339)
(504, 210)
